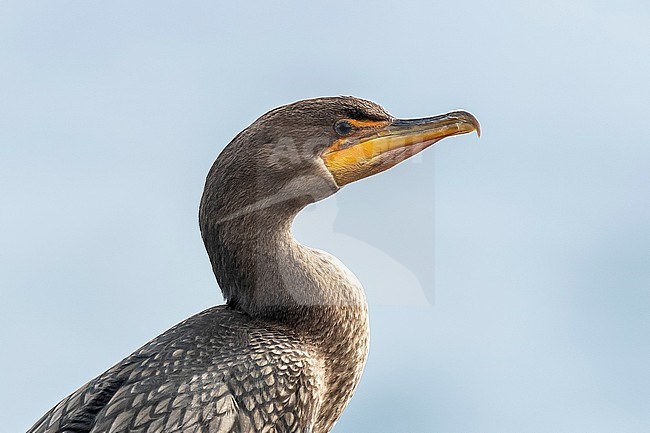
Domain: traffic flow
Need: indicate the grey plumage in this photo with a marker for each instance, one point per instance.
(215, 372)
(286, 352)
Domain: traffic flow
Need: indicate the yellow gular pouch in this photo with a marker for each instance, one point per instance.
(374, 146)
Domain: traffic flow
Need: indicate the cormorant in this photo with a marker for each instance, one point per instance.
(285, 353)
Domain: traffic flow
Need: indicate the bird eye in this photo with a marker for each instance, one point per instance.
(343, 127)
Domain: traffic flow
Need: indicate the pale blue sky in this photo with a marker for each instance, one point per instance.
(508, 276)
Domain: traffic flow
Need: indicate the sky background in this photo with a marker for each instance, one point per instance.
(508, 277)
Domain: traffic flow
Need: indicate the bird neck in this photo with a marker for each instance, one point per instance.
(263, 271)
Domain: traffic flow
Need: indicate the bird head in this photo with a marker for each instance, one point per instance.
(302, 152)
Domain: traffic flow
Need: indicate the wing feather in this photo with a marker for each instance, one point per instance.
(214, 373)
